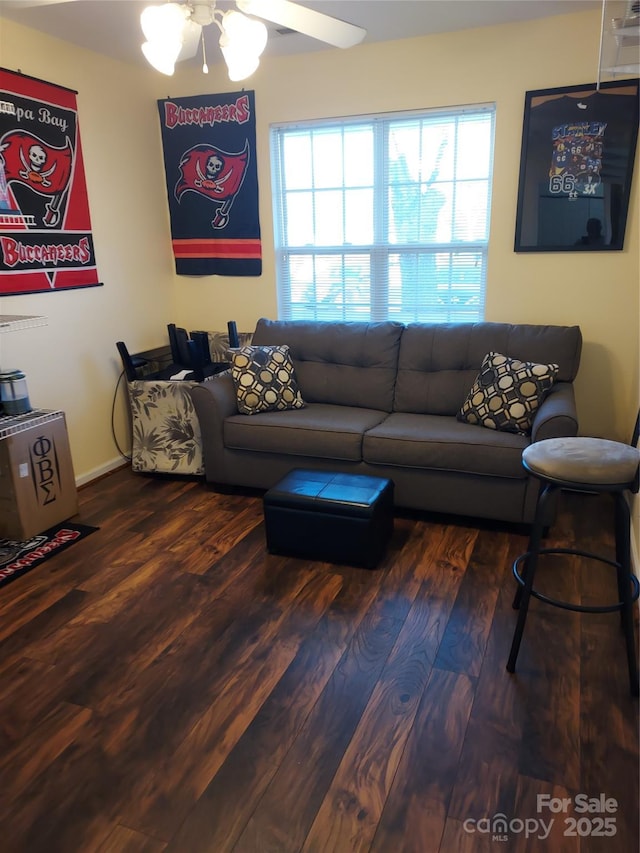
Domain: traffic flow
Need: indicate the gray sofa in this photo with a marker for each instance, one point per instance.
(382, 399)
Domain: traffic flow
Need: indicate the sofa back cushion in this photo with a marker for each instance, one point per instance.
(348, 364)
(439, 362)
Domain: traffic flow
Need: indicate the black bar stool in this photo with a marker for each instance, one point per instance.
(591, 466)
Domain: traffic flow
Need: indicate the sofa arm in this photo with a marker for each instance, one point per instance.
(214, 401)
(557, 416)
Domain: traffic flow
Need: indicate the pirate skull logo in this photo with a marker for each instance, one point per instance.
(213, 166)
(33, 161)
(37, 157)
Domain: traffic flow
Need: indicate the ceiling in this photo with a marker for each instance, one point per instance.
(112, 27)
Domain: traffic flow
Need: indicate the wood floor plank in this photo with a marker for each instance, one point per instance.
(535, 708)
(22, 602)
(421, 790)
(47, 740)
(125, 840)
(464, 642)
(351, 809)
(68, 805)
(539, 805)
(286, 811)
(184, 771)
(168, 685)
(41, 624)
(225, 806)
(22, 684)
(435, 573)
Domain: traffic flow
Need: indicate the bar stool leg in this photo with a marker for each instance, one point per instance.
(544, 498)
(522, 601)
(623, 559)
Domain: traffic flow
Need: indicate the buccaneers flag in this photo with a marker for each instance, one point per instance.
(212, 172)
(30, 161)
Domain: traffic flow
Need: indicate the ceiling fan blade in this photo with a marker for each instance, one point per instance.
(305, 21)
(191, 35)
(30, 4)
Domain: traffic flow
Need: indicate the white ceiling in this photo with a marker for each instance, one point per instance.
(112, 27)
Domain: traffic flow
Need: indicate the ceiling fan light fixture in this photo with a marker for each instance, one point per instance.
(242, 41)
(244, 33)
(162, 55)
(161, 23)
(241, 70)
(240, 63)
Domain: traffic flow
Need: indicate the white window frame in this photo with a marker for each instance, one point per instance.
(378, 252)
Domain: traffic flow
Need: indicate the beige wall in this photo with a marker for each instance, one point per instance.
(599, 292)
(76, 365)
(72, 363)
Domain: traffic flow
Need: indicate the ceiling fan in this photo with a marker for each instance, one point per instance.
(174, 31)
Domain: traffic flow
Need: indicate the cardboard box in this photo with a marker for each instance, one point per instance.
(37, 482)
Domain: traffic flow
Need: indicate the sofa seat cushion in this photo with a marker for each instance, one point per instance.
(444, 443)
(321, 430)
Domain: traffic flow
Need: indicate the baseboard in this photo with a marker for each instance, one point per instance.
(101, 471)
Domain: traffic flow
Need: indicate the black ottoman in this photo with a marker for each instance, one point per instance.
(336, 518)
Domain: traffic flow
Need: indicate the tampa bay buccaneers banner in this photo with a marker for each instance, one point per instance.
(45, 230)
(209, 144)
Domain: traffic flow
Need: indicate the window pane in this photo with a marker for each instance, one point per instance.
(473, 149)
(297, 161)
(358, 157)
(299, 230)
(382, 208)
(471, 218)
(358, 217)
(327, 159)
(420, 214)
(329, 218)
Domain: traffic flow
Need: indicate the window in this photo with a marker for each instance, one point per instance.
(384, 217)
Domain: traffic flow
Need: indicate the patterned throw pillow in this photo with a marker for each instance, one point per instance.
(265, 380)
(507, 392)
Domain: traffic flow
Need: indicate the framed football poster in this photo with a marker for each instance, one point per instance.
(576, 166)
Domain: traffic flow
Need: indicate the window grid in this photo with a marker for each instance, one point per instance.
(421, 277)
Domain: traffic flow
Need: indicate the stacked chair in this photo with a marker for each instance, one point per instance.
(194, 354)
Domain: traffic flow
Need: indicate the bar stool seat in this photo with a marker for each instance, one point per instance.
(590, 466)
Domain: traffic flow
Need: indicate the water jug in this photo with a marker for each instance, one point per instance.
(14, 397)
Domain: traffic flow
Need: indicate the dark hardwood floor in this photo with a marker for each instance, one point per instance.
(167, 685)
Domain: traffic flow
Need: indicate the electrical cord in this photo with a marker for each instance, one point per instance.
(113, 429)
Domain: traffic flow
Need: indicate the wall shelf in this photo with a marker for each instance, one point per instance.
(620, 38)
(16, 322)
